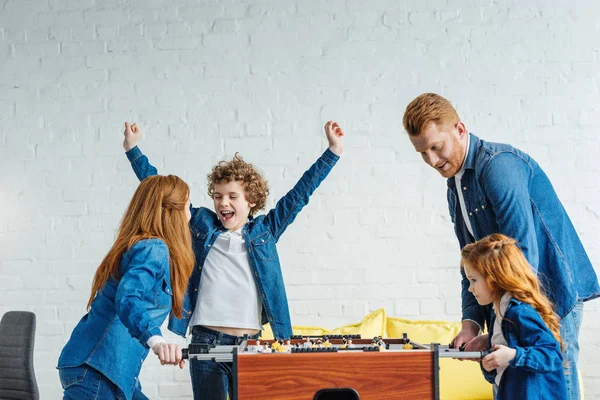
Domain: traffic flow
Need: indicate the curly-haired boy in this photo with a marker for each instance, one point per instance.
(237, 284)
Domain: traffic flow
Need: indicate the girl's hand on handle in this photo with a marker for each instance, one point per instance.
(132, 136)
(501, 356)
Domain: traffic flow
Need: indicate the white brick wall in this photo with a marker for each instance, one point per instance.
(208, 78)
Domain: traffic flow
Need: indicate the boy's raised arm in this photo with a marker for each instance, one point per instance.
(132, 134)
(288, 207)
(139, 162)
(334, 136)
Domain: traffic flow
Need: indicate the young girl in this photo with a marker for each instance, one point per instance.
(237, 284)
(140, 281)
(526, 360)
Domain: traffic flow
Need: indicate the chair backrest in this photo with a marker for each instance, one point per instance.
(17, 337)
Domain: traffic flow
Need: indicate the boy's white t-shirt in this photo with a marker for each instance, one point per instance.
(498, 337)
(227, 294)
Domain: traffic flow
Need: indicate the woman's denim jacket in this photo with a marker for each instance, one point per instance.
(537, 370)
(507, 192)
(260, 234)
(112, 336)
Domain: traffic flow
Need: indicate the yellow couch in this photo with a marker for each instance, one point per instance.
(459, 380)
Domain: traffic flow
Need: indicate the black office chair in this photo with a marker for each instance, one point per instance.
(17, 337)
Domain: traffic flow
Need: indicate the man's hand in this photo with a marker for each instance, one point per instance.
(468, 332)
(498, 358)
(334, 136)
(132, 136)
(169, 354)
(479, 343)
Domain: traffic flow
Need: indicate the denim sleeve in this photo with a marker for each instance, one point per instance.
(537, 349)
(149, 260)
(506, 181)
(489, 376)
(140, 164)
(288, 207)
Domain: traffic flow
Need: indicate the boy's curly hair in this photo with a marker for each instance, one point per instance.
(255, 186)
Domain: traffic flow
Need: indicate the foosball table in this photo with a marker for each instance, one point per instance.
(332, 368)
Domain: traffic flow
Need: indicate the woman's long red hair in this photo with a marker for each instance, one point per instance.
(157, 210)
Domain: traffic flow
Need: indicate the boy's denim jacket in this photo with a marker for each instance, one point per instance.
(537, 371)
(507, 192)
(260, 234)
(112, 336)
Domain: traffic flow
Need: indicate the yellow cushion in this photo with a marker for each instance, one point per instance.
(373, 324)
(422, 331)
(458, 379)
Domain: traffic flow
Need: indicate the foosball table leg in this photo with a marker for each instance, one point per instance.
(435, 348)
(234, 372)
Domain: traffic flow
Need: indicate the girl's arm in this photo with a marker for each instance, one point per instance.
(536, 348)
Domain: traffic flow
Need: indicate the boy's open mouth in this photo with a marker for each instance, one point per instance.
(226, 215)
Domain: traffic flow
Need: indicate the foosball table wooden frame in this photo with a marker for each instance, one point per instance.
(401, 370)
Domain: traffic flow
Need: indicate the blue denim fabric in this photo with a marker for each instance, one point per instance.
(112, 337)
(212, 380)
(507, 192)
(260, 234)
(84, 382)
(536, 372)
(569, 331)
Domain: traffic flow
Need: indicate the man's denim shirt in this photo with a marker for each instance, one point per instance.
(537, 370)
(112, 336)
(260, 234)
(507, 192)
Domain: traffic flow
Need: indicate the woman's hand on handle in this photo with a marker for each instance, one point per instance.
(169, 354)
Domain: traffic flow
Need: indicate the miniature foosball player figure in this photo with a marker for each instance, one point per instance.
(257, 347)
(344, 343)
(326, 342)
(281, 348)
(288, 345)
(349, 343)
(307, 343)
(267, 348)
(276, 344)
